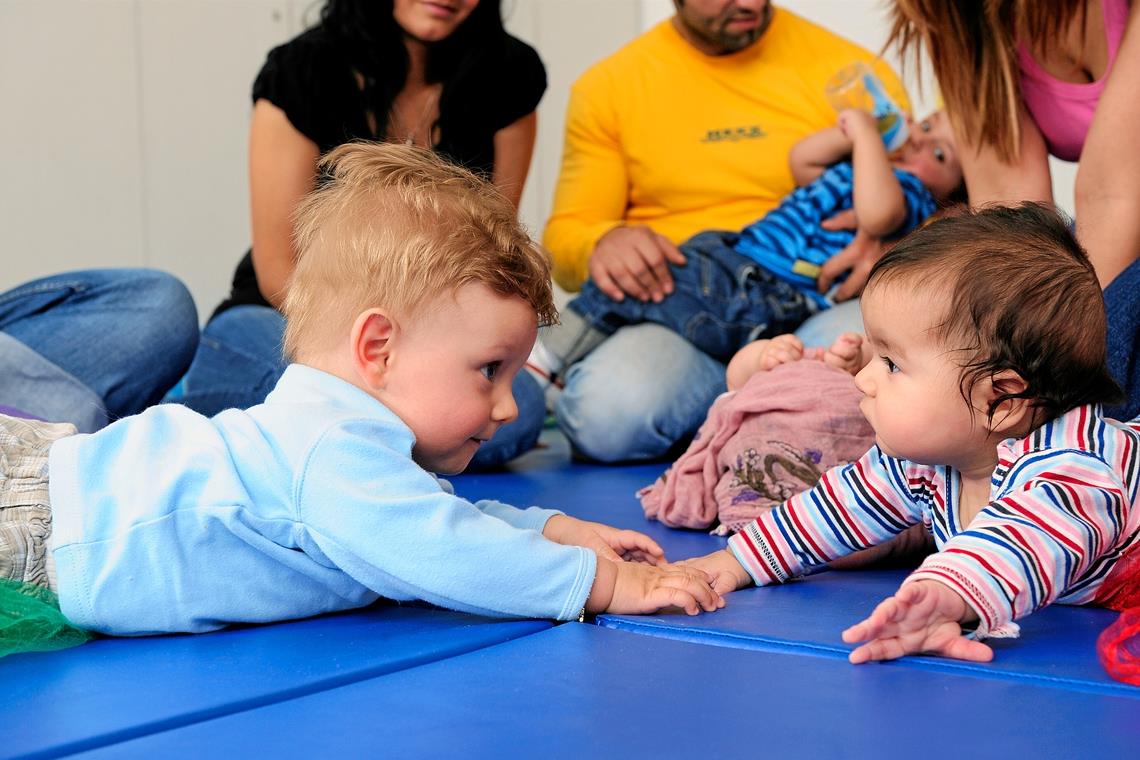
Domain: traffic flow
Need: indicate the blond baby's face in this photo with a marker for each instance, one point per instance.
(910, 388)
(451, 369)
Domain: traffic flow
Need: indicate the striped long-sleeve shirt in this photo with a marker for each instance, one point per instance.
(1062, 513)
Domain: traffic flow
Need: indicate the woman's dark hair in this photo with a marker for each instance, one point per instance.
(374, 45)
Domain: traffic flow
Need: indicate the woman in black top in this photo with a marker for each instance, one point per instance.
(441, 74)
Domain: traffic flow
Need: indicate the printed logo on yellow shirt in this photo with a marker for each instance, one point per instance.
(734, 134)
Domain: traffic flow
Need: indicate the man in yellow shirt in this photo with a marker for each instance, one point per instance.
(686, 128)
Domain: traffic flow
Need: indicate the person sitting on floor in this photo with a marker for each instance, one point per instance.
(762, 281)
(987, 340)
(415, 301)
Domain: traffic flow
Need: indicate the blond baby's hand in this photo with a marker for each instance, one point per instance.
(725, 573)
(922, 617)
(641, 589)
(610, 543)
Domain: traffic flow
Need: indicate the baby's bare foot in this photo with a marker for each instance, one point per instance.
(846, 353)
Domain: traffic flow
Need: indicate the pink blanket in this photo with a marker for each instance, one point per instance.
(761, 445)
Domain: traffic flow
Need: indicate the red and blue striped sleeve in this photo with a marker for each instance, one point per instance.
(853, 507)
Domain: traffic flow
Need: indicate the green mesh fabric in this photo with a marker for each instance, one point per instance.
(30, 620)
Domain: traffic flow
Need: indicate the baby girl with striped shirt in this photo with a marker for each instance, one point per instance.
(982, 373)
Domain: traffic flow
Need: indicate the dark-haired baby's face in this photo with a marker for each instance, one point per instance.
(910, 388)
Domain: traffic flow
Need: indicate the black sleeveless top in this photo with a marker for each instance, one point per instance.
(313, 83)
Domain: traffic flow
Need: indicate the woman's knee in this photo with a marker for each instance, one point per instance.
(169, 319)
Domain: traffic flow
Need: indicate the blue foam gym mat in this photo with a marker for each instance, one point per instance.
(1057, 645)
(604, 493)
(582, 691)
(111, 690)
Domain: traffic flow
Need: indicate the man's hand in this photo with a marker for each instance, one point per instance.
(922, 617)
(856, 259)
(725, 573)
(634, 261)
(610, 543)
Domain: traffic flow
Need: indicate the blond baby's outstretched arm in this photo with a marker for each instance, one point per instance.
(922, 617)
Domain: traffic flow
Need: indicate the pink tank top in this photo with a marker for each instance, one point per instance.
(1063, 111)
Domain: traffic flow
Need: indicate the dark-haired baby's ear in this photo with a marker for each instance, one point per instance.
(372, 343)
(1011, 413)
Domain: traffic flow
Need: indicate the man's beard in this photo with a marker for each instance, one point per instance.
(715, 32)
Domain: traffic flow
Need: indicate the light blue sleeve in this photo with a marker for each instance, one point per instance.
(532, 518)
(390, 525)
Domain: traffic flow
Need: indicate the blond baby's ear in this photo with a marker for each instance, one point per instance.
(373, 339)
(1010, 415)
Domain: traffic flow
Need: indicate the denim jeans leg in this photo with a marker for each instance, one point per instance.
(1122, 308)
(822, 329)
(638, 394)
(125, 334)
(239, 360)
(721, 300)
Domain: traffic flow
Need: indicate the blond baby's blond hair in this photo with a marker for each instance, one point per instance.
(397, 227)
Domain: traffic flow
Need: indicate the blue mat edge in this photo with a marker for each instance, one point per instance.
(786, 646)
(284, 695)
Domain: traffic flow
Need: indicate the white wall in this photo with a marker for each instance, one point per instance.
(124, 121)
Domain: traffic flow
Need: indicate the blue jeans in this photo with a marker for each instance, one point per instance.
(92, 346)
(1122, 308)
(721, 300)
(637, 395)
(240, 360)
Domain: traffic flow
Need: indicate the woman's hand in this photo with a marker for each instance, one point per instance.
(857, 259)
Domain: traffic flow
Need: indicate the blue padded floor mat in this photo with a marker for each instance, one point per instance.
(111, 690)
(604, 493)
(582, 691)
(1057, 645)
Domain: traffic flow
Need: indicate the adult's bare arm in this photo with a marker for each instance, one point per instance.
(991, 180)
(282, 169)
(1108, 177)
(514, 146)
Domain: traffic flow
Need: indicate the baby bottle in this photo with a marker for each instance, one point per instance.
(856, 86)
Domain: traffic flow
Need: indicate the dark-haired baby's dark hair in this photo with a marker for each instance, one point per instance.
(1020, 295)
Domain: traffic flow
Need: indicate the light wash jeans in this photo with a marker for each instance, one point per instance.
(823, 328)
(240, 359)
(637, 394)
(92, 346)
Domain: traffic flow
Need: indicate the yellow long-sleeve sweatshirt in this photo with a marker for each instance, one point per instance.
(664, 135)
